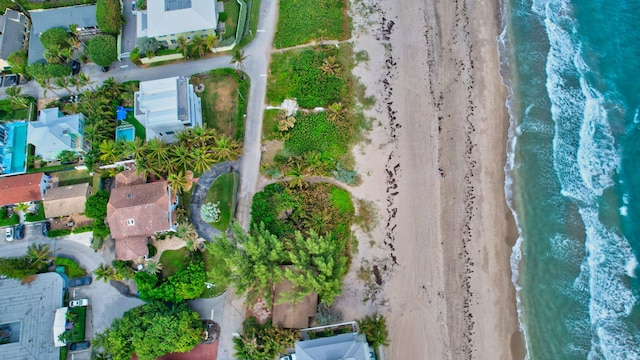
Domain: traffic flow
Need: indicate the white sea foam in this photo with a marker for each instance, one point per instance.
(624, 211)
(631, 266)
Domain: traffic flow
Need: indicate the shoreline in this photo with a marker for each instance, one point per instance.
(445, 232)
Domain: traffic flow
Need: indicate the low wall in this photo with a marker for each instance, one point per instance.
(161, 58)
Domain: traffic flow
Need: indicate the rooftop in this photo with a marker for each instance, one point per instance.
(20, 188)
(65, 200)
(170, 17)
(31, 308)
(13, 25)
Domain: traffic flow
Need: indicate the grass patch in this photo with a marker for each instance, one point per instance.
(270, 124)
(173, 260)
(72, 177)
(10, 111)
(14, 219)
(254, 16)
(210, 262)
(30, 217)
(141, 132)
(298, 74)
(79, 324)
(71, 268)
(58, 232)
(50, 169)
(224, 101)
(313, 132)
(302, 21)
(222, 191)
(232, 9)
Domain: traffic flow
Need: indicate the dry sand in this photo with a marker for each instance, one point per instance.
(442, 245)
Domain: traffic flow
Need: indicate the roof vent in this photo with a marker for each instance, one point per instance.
(129, 195)
(130, 222)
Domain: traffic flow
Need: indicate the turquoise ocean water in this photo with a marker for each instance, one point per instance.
(573, 179)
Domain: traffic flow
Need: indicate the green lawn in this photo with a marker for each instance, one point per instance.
(72, 177)
(222, 191)
(50, 169)
(38, 216)
(209, 263)
(71, 268)
(232, 9)
(141, 132)
(78, 330)
(254, 14)
(270, 124)
(173, 260)
(14, 219)
(302, 21)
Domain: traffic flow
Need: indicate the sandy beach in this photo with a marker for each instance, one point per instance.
(433, 166)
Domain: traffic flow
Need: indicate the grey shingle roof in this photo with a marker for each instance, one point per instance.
(33, 306)
(42, 20)
(13, 28)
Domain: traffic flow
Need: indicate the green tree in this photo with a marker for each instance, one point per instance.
(106, 272)
(178, 182)
(147, 45)
(238, 59)
(150, 331)
(15, 95)
(375, 328)
(39, 254)
(96, 205)
(17, 267)
(67, 156)
(55, 37)
(226, 149)
(263, 341)
(102, 50)
(183, 45)
(57, 70)
(109, 16)
(199, 45)
(18, 62)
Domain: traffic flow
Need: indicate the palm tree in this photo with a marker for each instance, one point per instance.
(330, 66)
(318, 221)
(112, 88)
(199, 45)
(178, 182)
(39, 254)
(336, 112)
(202, 159)
(181, 156)
(135, 148)
(312, 162)
(297, 177)
(238, 59)
(54, 54)
(202, 136)
(375, 328)
(108, 151)
(186, 231)
(211, 40)
(183, 45)
(85, 80)
(158, 153)
(226, 148)
(144, 167)
(15, 95)
(63, 83)
(22, 208)
(153, 267)
(106, 272)
(192, 245)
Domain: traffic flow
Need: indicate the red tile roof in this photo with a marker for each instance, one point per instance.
(20, 188)
(131, 248)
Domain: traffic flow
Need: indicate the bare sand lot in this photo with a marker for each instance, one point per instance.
(433, 166)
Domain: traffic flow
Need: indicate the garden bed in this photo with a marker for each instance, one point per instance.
(222, 192)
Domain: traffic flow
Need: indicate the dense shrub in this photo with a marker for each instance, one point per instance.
(55, 37)
(314, 132)
(71, 268)
(82, 229)
(102, 50)
(58, 232)
(109, 16)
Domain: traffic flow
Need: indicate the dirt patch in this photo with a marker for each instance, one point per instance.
(270, 149)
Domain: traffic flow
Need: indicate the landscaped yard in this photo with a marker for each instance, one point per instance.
(72, 177)
(221, 285)
(79, 323)
(232, 9)
(302, 21)
(223, 101)
(71, 268)
(141, 132)
(172, 260)
(11, 111)
(222, 192)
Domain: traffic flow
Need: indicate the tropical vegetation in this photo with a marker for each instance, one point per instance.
(375, 328)
(188, 282)
(102, 50)
(302, 21)
(263, 341)
(109, 16)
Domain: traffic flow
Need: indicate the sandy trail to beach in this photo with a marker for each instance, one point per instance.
(434, 168)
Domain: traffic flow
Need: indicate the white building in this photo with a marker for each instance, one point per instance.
(165, 20)
(167, 106)
(55, 132)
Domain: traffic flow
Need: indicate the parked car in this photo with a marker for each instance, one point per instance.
(79, 302)
(82, 345)
(46, 226)
(81, 281)
(8, 235)
(75, 67)
(20, 231)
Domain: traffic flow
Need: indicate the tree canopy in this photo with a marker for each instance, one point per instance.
(18, 61)
(55, 37)
(187, 283)
(109, 16)
(150, 331)
(102, 50)
(147, 45)
(96, 205)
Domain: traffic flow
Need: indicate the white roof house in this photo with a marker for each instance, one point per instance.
(344, 346)
(166, 106)
(165, 19)
(55, 132)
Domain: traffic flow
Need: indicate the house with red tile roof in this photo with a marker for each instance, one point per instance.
(23, 188)
(137, 212)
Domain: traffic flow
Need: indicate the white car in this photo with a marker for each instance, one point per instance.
(79, 302)
(9, 234)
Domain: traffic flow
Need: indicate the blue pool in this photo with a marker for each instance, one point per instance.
(126, 132)
(13, 147)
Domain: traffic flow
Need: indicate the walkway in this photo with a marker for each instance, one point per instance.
(199, 197)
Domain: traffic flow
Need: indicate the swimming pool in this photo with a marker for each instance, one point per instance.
(14, 150)
(126, 132)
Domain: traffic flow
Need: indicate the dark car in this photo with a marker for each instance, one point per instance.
(81, 281)
(75, 67)
(82, 345)
(46, 226)
(20, 231)
(104, 68)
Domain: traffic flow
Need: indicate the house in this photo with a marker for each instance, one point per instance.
(137, 212)
(23, 188)
(14, 27)
(167, 106)
(293, 315)
(55, 132)
(66, 200)
(83, 16)
(30, 311)
(166, 20)
(13, 147)
(352, 346)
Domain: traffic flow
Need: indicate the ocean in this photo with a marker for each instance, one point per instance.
(573, 181)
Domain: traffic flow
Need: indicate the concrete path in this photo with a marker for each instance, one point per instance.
(199, 197)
